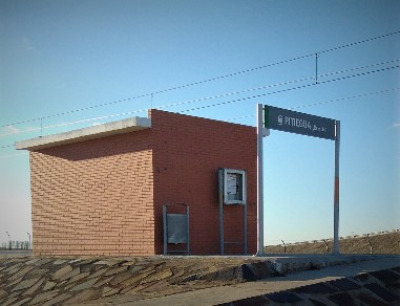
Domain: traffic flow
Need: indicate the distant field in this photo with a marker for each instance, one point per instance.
(15, 253)
(383, 243)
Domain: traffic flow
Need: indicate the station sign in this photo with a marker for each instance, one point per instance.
(298, 123)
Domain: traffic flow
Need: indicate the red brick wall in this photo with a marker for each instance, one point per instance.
(94, 197)
(105, 196)
(187, 154)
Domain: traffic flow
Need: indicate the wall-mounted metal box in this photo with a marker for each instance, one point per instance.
(234, 186)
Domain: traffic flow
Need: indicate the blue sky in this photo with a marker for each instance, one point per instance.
(70, 61)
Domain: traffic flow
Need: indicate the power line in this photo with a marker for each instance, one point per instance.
(235, 93)
(151, 95)
(217, 96)
(348, 98)
(241, 117)
(291, 89)
(208, 80)
(73, 122)
(363, 95)
(278, 84)
(359, 67)
(360, 42)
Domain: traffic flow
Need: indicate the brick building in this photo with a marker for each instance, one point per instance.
(100, 190)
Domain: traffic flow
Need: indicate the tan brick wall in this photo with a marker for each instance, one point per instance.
(187, 154)
(94, 197)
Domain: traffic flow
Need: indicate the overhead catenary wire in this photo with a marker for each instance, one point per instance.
(359, 68)
(245, 98)
(278, 84)
(207, 98)
(151, 95)
(360, 42)
(313, 104)
(284, 61)
(228, 94)
(73, 122)
(290, 89)
(363, 95)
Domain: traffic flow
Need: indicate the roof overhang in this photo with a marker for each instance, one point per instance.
(98, 131)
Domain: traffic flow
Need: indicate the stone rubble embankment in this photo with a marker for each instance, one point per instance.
(64, 281)
(53, 281)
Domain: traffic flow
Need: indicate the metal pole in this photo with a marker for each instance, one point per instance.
(165, 229)
(221, 210)
(245, 215)
(9, 240)
(336, 193)
(29, 241)
(260, 183)
(188, 231)
(316, 68)
(245, 229)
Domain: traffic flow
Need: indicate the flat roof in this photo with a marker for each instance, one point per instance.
(93, 132)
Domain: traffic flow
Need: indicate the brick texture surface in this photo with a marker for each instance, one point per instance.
(104, 196)
(187, 154)
(94, 197)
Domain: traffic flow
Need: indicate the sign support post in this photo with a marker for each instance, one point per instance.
(261, 132)
(336, 192)
(269, 117)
